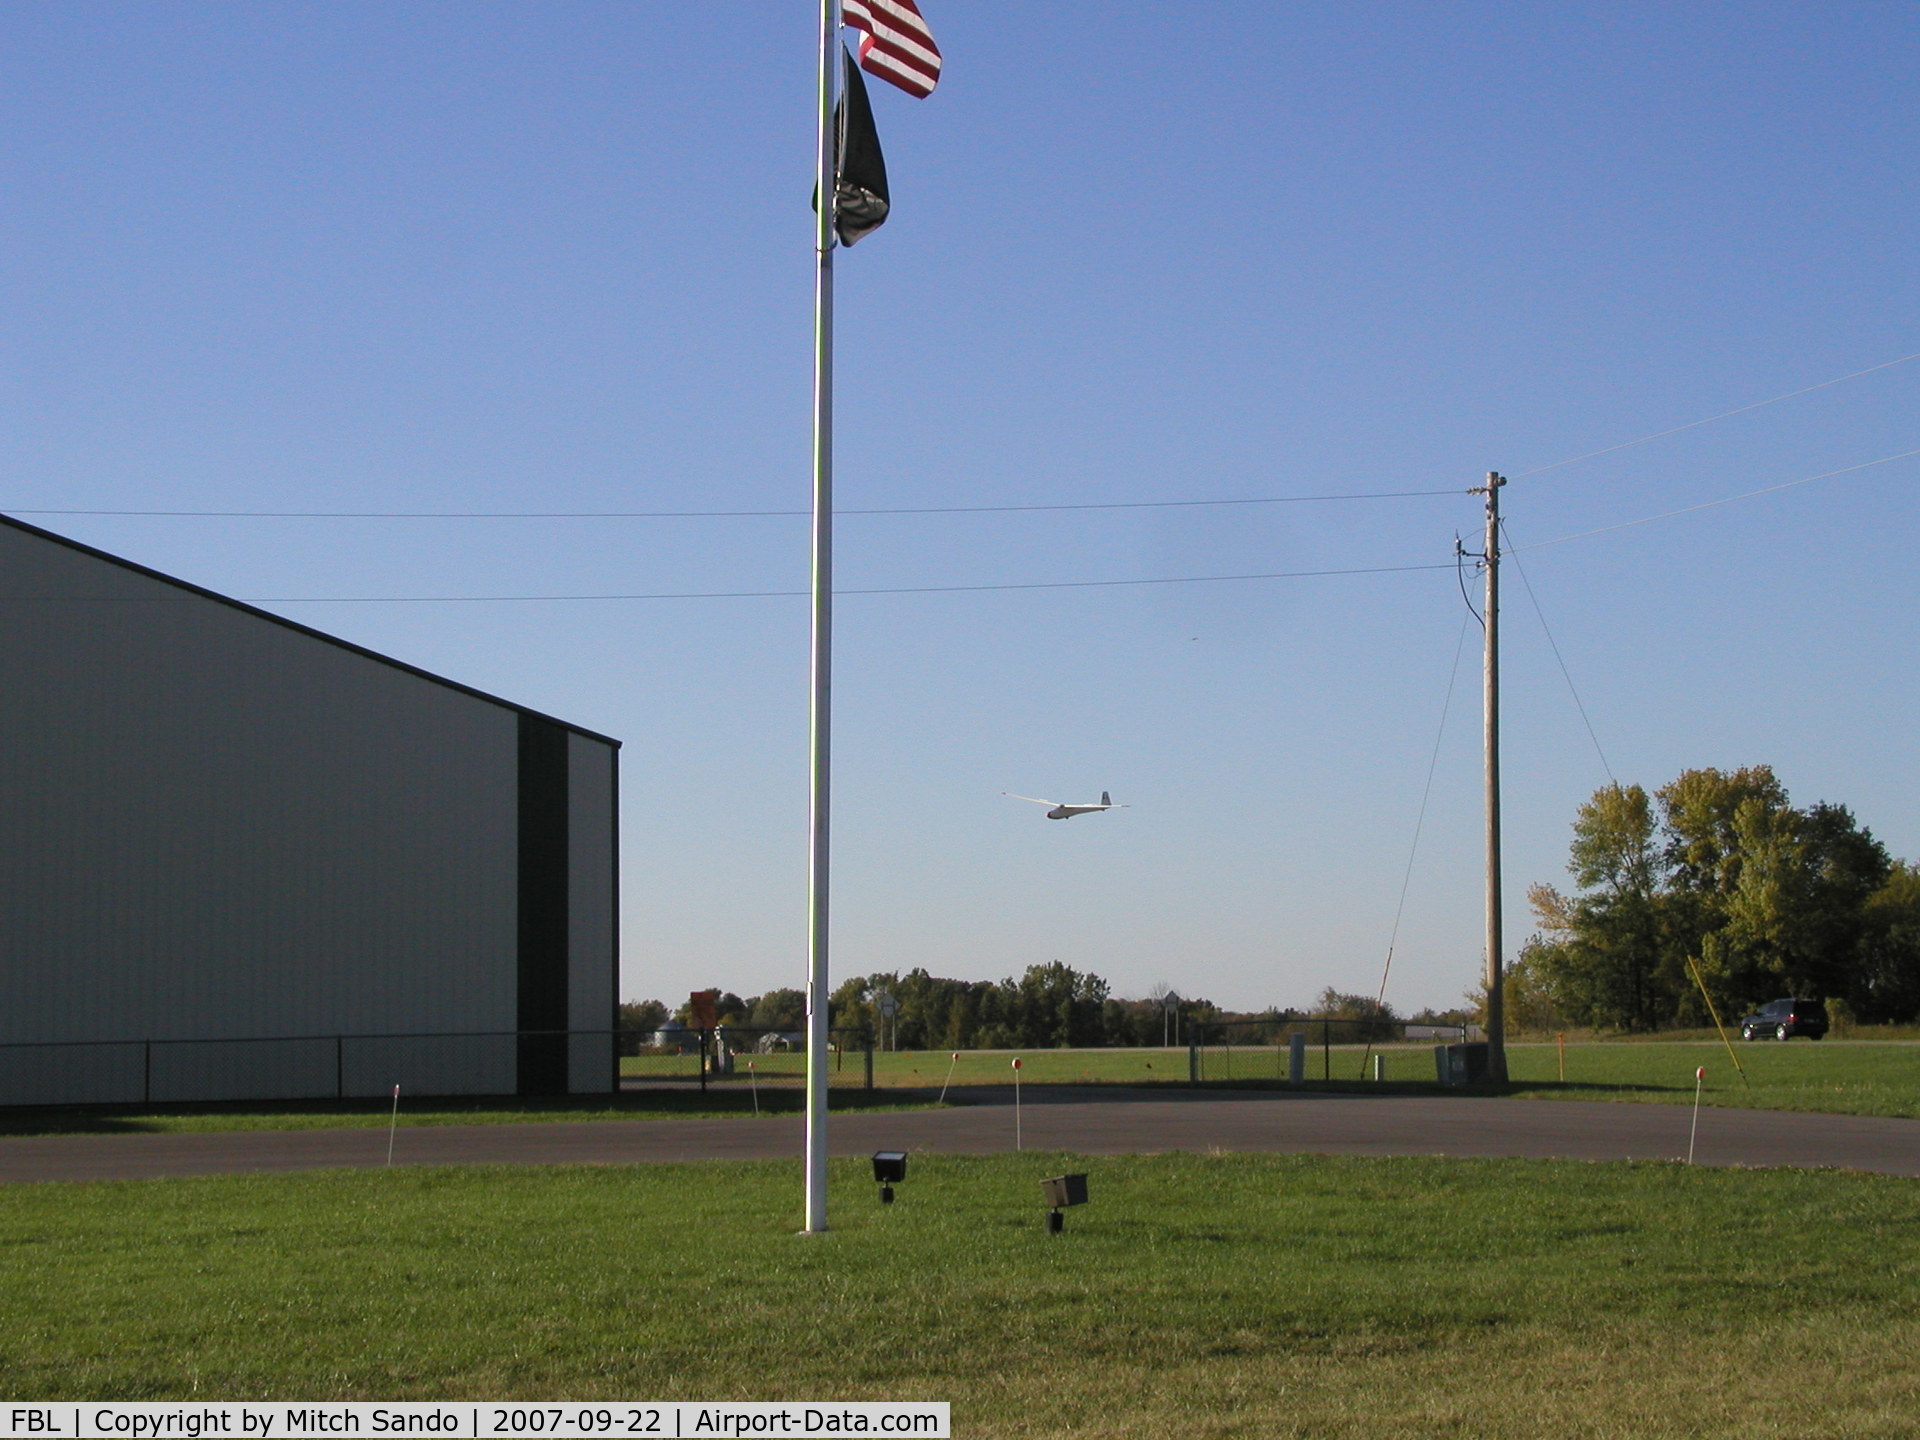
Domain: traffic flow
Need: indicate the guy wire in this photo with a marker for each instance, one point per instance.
(1426, 793)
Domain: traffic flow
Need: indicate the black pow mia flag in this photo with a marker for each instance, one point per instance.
(859, 170)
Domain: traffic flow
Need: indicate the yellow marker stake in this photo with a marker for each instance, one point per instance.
(1695, 969)
(949, 1080)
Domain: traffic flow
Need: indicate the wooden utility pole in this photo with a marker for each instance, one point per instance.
(1496, 1000)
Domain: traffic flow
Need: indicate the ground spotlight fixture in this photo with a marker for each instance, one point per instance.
(889, 1169)
(1062, 1191)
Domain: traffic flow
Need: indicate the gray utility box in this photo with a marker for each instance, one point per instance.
(1065, 1190)
(1461, 1064)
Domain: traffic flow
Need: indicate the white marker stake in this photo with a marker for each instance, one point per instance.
(393, 1124)
(754, 1080)
(1016, 1102)
(949, 1080)
(1699, 1079)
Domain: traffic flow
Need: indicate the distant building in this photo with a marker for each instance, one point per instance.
(241, 859)
(672, 1035)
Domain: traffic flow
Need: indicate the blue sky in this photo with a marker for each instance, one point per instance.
(555, 257)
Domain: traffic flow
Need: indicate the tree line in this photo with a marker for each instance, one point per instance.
(1717, 872)
(1050, 1006)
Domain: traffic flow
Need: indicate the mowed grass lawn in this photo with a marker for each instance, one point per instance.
(1201, 1296)
(1839, 1077)
(1836, 1076)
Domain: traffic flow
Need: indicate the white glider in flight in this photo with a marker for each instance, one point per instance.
(1062, 811)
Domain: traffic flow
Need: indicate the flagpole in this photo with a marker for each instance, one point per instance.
(820, 713)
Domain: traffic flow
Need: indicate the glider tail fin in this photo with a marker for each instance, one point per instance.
(1105, 798)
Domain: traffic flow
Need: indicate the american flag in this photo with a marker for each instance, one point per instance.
(895, 43)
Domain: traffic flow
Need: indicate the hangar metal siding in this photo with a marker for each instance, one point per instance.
(592, 918)
(213, 824)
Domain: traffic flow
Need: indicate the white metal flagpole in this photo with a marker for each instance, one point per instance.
(821, 711)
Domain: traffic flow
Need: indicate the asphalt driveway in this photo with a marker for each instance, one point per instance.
(1089, 1120)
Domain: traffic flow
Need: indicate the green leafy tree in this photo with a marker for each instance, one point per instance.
(779, 1010)
(1886, 980)
(1053, 1006)
(636, 1019)
(1701, 814)
(1771, 900)
(850, 1004)
(1603, 956)
(1530, 1003)
(1792, 921)
(1373, 1019)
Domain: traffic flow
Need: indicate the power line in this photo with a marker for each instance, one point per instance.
(1723, 415)
(1728, 500)
(1028, 585)
(735, 514)
(876, 590)
(927, 509)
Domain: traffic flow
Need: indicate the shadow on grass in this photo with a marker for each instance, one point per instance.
(688, 1103)
(722, 1101)
(1401, 1089)
(1120, 1091)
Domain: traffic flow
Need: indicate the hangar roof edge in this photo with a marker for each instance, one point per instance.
(254, 610)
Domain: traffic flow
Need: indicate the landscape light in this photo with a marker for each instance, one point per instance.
(889, 1169)
(1062, 1191)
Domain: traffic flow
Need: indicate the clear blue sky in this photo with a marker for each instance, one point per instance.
(555, 257)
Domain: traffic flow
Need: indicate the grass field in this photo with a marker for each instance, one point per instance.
(844, 1068)
(1195, 1296)
(1839, 1077)
(1835, 1077)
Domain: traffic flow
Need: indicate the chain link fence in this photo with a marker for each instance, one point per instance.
(741, 1056)
(1316, 1047)
(344, 1067)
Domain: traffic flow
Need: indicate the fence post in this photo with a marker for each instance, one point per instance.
(869, 1059)
(704, 1034)
(339, 1067)
(146, 1078)
(1193, 1052)
(1326, 1049)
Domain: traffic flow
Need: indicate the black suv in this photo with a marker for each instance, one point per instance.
(1783, 1019)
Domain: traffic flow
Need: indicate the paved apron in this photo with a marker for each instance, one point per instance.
(1088, 1120)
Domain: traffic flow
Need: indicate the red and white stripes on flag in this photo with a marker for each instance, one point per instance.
(895, 43)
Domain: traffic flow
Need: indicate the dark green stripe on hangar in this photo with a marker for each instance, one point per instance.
(543, 907)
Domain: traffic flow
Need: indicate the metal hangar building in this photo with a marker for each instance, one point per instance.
(242, 859)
